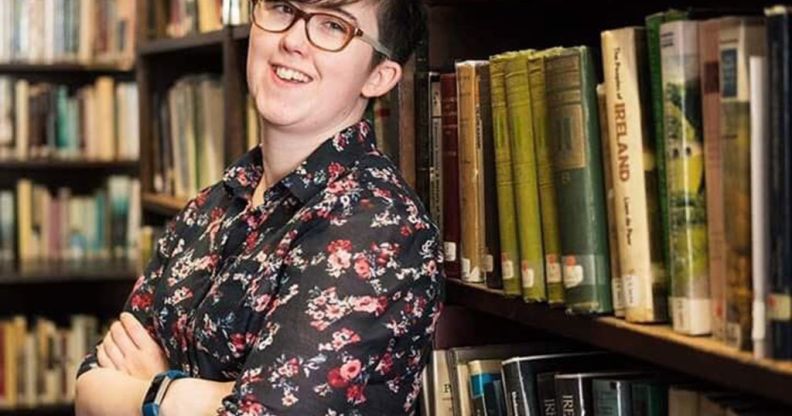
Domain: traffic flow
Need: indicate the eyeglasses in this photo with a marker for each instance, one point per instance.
(325, 31)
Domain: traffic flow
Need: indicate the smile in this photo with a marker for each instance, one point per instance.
(292, 75)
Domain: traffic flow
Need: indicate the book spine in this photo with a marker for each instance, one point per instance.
(611, 397)
(690, 304)
(423, 126)
(547, 192)
(436, 148)
(526, 186)
(649, 398)
(760, 224)
(572, 398)
(779, 47)
(487, 181)
(709, 62)
(634, 184)
(507, 216)
(653, 23)
(470, 174)
(572, 109)
(545, 389)
(451, 203)
(617, 290)
(514, 386)
(739, 39)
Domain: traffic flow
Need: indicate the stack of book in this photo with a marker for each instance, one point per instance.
(601, 199)
(62, 224)
(87, 32)
(93, 122)
(543, 378)
(39, 362)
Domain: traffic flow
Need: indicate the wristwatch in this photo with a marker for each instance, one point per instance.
(156, 391)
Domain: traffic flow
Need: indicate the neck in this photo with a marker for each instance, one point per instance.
(284, 149)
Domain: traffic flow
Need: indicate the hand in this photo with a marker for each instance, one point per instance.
(193, 396)
(129, 348)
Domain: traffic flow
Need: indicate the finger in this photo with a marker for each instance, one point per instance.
(104, 360)
(115, 354)
(137, 332)
(121, 339)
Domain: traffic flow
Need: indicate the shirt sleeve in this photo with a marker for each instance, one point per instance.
(139, 302)
(352, 323)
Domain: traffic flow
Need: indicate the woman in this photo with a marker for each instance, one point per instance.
(308, 280)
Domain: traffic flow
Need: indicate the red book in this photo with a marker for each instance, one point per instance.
(451, 203)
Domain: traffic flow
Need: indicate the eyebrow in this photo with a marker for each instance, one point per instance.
(340, 10)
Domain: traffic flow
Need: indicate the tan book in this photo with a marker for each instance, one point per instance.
(632, 157)
(209, 15)
(106, 120)
(24, 196)
(617, 292)
(709, 58)
(87, 31)
(471, 185)
(21, 120)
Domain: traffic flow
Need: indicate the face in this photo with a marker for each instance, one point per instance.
(303, 89)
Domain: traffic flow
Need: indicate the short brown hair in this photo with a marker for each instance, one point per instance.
(402, 24)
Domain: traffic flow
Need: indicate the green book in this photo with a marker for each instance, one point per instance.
(686, 202)
(524, 169)
(509, 255)
(649, 398)
(611, 397)
(547, 193)
(653, 23)
(577, 155)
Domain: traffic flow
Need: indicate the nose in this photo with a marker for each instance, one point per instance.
(295, 39)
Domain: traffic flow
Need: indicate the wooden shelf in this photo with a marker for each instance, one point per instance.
(49, 410)
(59, 68)
(197, 41)
(163, 204)
(21, 166)
(68, 271)
(704, 358)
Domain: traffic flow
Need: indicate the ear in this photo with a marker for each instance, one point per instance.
(382, 79)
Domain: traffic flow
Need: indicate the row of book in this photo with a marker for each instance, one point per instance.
(88, 32)
(39, 360)
(179, 18)
(93, 122)
(189, 154)
(236, 12)
(38, 223)
(598, 201)
(549, 379)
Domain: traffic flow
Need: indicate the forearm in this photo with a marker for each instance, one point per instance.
(109, 392)
(195, 397)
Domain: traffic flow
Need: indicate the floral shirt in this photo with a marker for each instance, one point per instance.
(320, 301)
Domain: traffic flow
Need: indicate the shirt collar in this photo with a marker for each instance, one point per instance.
(329, 161)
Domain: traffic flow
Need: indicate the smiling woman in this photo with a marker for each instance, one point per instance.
(308, 280)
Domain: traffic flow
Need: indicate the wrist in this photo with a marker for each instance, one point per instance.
(156, 393)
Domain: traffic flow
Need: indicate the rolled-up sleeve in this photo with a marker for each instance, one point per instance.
(351, 326)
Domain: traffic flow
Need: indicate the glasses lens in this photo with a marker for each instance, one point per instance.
(329, 32)
(273, 15)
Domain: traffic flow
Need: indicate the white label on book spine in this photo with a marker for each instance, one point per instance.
(507, 271)
(528, 278)
(631, 291)
(759, 321)
(489, 264)
(779, 307)
(691, 316)
(573, 275)
(450, 249)
(618, 293)
(465, 267)
(553, 272)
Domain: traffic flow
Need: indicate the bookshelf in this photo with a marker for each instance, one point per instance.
(472, 29)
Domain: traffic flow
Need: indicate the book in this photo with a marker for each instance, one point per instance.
(436, 151)
(483, 375)
(545, 387)
(442, 400)
(548, 203)
(760, 216)
(740, 38)
(451, 202)
(471, 172)
(524, 169)
(617, 291)
(7, 223)
(573, 116)
(611, 397)
(709, 60)
(682, 401)
(574, 395)
(636, 208)
(507, 216)
(779, 302)
(649, 398)
(491, 267)
(686, 200)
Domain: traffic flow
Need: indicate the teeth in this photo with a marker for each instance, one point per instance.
(291, 75)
